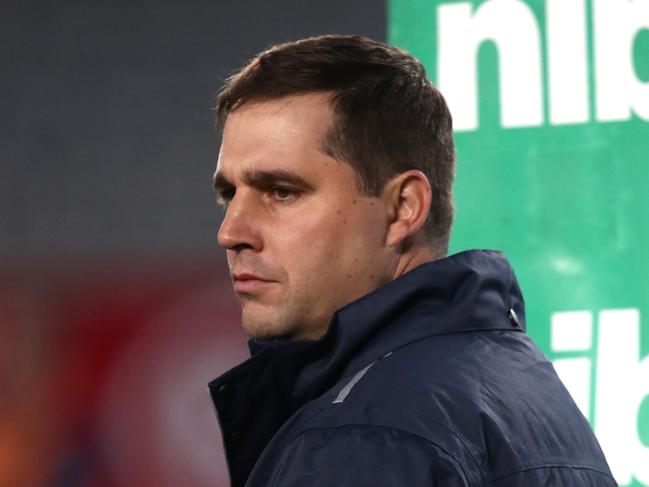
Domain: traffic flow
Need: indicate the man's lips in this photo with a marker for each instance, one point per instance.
(249, 283)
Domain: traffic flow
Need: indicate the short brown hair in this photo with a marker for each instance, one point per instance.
(389, 118)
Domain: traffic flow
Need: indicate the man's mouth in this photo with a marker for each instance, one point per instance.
(246, 283)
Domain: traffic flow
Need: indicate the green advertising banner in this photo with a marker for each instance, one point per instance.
(550, 101)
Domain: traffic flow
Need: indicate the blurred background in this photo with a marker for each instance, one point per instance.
(115, 303)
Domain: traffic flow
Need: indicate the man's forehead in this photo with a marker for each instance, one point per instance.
(302, 115)
(284, 134)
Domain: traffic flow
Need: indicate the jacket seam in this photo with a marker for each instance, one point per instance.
(461, 332)
(448, 428)
(393, 428)
(548, 466)
(451, 333)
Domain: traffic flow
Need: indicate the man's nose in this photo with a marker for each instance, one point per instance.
(240, 226)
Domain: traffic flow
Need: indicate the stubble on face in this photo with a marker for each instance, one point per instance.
(270, 314)
(319, 248)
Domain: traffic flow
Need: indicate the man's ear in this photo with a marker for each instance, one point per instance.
(407, 197)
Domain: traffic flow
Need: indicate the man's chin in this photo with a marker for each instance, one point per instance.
(259, 329)
(268, 337)
(261, 323)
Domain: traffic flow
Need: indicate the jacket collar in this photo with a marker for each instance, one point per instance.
(469, 291)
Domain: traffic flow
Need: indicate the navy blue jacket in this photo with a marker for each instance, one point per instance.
(427, 381)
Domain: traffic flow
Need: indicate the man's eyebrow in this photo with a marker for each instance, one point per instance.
(264, 178)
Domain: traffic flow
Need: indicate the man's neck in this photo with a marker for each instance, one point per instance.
(414, 255)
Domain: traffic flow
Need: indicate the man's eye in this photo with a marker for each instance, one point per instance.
(283, 194)
(224, 197)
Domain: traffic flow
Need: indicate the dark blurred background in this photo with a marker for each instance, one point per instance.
(115, 305)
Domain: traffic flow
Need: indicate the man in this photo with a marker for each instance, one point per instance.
(376, 360)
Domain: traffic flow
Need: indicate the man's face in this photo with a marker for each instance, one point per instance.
(300, 238)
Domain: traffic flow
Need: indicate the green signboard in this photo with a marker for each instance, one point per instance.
(550, 100)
